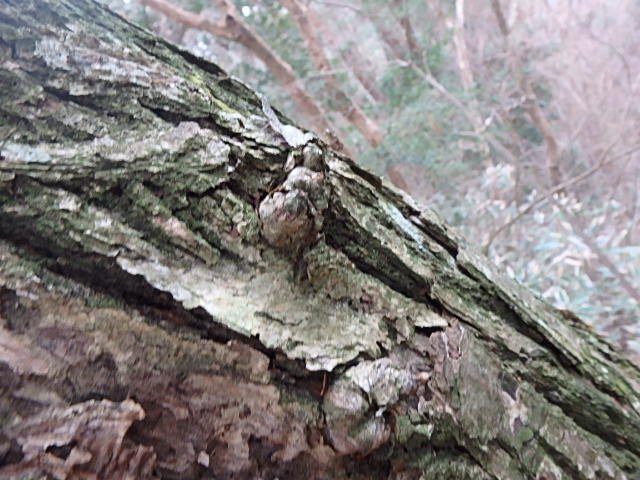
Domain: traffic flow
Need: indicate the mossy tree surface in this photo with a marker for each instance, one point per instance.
(160, 316)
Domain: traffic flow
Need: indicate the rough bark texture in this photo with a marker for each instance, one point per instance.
(233, 27)
(160, 317)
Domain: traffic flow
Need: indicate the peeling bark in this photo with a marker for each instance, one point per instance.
(148, 316)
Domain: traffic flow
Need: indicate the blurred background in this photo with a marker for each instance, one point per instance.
(517, 120)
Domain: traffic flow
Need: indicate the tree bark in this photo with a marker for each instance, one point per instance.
(193, 288)
(236, 29)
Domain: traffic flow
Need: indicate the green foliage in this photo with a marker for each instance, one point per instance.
(437, 56)
(543, 252)
(273, 22)
(401, 86)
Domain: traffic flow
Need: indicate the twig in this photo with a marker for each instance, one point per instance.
(556, 189)
(337, 4)
(481, 130)
(578, 228)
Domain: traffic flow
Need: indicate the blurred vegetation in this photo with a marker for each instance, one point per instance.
(454, 93)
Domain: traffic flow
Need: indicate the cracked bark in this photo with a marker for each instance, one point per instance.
(233, 27)
(147, 328)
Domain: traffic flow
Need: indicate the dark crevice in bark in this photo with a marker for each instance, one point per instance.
(428, 331)
(433, 231)
(61, 451)
(12, 313)
(372, 258)
(190, 58)
(236, 187)
(174, 118)
(491, 300)
(590, 420)
(105, 276)
(371, 178)
(464, 452)
(11, 451)
(76, 183)
(562, 461)
(235, 93)
(86, 101)
(514, 454)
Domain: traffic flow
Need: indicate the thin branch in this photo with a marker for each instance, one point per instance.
(337, 4)
(235, 28)
(480, 129)
(192, 20)
(558, 188)
(579, 229)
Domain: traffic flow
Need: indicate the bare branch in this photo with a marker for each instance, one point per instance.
(480, 130)
(558, 188)
(347, 107)
(236, 29)
(189, 19)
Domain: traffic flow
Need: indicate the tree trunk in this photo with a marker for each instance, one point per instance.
(193, 288)
(236, 29)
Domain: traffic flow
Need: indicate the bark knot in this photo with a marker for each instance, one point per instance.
(292, 214)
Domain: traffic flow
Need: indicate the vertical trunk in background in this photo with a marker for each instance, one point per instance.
(393, 40)
(346, 106)
(416, 52)
(466, 76)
